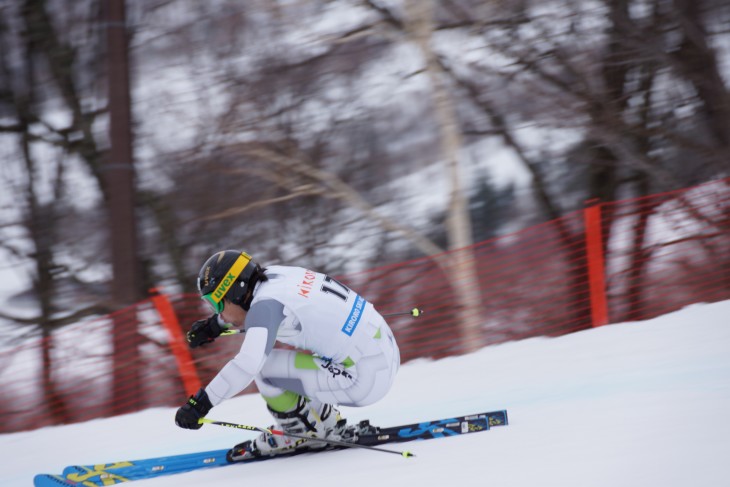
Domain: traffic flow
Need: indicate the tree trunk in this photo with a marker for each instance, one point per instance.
(55, 402)
(639, 258)
(127, 269)
(463, 276)
(699, 63)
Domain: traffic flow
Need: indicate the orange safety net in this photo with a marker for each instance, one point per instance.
(614, 262)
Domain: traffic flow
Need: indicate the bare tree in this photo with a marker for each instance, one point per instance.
(615, 88)
(257, 127)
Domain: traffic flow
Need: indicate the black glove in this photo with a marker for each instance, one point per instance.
(197, 407)
(204, 331)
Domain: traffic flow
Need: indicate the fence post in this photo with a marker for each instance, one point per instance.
(596, 263)
(178, 345)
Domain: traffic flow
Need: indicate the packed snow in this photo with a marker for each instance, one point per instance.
(634, 404)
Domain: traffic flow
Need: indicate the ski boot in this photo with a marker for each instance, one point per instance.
(312, 419)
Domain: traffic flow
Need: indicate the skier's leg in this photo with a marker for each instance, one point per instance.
(303, 417)
(301, 390)
(294, 405)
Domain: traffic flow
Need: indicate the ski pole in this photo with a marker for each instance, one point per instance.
(415, 312)
(231, 331)
(404, 453)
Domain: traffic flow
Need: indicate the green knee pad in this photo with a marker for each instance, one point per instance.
(283, 402)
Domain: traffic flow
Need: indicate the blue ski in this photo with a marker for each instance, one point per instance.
(126, 471)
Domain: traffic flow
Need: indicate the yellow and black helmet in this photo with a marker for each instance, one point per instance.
(230, 274)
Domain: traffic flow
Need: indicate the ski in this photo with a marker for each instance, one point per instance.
(126, 471)
(368, 436)
(435, 429)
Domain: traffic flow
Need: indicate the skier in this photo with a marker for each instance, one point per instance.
(354, 356)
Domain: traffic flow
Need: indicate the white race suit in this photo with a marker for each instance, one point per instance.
(354, 357)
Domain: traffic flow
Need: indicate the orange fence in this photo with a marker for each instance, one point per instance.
(612, 262)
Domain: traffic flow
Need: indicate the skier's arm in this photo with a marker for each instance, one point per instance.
(261, 325)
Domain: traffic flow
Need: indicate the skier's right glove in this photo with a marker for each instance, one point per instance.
(204, 331)
(197, 407)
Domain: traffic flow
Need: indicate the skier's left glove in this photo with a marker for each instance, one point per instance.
(204, 331)
(197, 407)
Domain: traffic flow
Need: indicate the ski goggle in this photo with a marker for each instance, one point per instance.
(215, 298)
(217, 307)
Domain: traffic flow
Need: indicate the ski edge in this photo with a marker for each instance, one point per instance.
(50, 480)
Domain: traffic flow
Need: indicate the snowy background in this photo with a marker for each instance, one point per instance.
(633, 404)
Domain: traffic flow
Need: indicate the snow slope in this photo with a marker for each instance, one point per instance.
(635, 404)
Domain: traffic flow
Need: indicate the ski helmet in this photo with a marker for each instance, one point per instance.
(228, 274)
